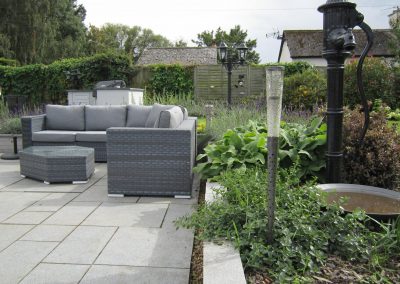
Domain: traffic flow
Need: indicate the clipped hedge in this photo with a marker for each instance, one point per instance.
(171, 79)
(48, 83)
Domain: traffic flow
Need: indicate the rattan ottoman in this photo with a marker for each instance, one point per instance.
(57, 163)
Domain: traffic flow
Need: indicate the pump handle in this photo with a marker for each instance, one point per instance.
(370, 41)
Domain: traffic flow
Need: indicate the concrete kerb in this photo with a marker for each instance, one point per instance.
(221, 263)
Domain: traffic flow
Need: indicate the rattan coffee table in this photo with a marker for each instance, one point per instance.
(57, 163)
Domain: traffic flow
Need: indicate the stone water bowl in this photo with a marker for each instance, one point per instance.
(381, 204)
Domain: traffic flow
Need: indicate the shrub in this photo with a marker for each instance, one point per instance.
(10, 125)
(377, 161)
(8, 62)
(379, 83)
(171, 79)
(304, 90)
(291, 68)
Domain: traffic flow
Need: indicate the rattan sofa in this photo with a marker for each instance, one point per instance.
(150, 150)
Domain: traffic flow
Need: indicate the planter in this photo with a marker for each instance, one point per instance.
(6, 143)
(221, 263)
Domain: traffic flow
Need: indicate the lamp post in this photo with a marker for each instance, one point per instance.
(230, 62)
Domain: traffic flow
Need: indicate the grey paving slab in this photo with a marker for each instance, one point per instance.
(167, 200)
(102, 181)
(100, 193)
(72, 214)
(52, 202)
(20, 258)
(82, 246)
(5, 181)
(127, 214)
(31, 185)
(149, 247)
(102, 274)
(11, 233)
(174, 212)
(26, 218)
(49, 233)
(9, 169)
(51, 273)
(13, 202)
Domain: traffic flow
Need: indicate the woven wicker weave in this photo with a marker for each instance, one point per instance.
(151, 161)
(57, 163)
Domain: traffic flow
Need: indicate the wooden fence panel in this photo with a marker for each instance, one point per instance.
(211, 83)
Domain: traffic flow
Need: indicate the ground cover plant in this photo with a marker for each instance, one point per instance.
(309, 233)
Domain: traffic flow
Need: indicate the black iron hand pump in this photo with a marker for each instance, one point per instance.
(340, 17)
(229, 62)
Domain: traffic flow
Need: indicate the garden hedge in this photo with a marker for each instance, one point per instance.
(48, 83)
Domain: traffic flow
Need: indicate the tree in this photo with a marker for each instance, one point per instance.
(124, 39)
(235, 37)
(41, 31)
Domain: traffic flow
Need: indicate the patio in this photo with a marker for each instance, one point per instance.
(75, 233)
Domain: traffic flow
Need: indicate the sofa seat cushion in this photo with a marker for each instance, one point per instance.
(137, 115)
(171, 118)
(65, 117)
(99, 118)
(54, 136)
(91, 136)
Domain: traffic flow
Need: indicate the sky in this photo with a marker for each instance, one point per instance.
(184, 19)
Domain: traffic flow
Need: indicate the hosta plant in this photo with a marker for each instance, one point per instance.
(245, 147)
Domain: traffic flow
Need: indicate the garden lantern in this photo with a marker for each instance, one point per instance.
(274, 89)
(340, 17)
(229, 62)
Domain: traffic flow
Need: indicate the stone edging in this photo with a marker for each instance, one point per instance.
(221, 263)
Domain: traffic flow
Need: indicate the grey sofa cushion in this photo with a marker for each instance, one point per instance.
(65, 117)
(54, 136)
(103, 117)
(91, 136)
(154, 116)
(170, 118)
(137, 115)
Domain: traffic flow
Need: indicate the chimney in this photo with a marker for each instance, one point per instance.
(394, 18)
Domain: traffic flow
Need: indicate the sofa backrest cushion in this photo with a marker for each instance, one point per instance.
(171, 118)
(154, 115)
(137, 115)
(65, 117)
(103, 117)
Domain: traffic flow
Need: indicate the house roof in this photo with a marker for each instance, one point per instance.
(179, 55)
(309, 43)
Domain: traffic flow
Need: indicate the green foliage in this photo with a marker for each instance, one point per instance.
(304, 89)
(171, 79)
(379, 83)
(245, 147)
(10, 125)
(235, 37)
(48, 83)
(8, 62)
(118, 38)
(306, 231)
(291, 68)
(41, 31)
(377, 161)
